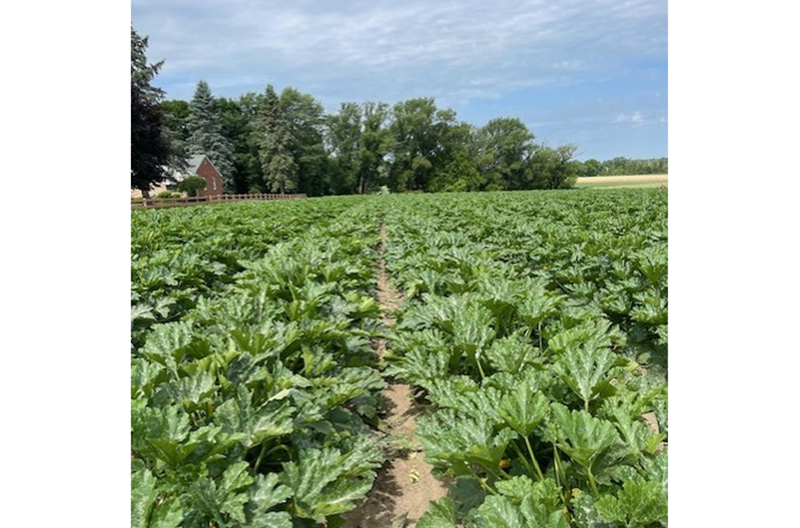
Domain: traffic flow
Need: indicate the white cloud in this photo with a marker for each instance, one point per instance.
(635, 119)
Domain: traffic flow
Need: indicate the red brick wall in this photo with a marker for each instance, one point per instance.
(212, 177)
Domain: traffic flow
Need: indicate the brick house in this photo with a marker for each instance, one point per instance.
(198, 165)
(201, 166)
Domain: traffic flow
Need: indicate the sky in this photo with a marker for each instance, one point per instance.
(588, 72)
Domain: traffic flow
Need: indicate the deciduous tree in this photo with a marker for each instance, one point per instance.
(375, 144)
(550, 168)
(503, 149)
(304, 117)
(418, 151)
(150, 147)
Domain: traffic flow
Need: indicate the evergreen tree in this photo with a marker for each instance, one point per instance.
(175, 114)
(206, 134)
(274, 141)
(239, 118)
(150, 148)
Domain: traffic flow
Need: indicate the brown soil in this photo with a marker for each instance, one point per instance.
(404, 484)
(650, 419)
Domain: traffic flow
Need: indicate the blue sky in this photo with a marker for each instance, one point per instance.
(589, 72)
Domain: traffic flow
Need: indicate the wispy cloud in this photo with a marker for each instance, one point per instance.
(635, 118)
(386, 49)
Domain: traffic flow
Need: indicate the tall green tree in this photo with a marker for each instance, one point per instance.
(175, 114)
(375, 144)
(550, 167)
(304, 118)
(459, 174)
(359, 141)
(238, 118)
(207, 134)
(343, 134)
(274, 140)
(455, 168)
(150, 147)
(418, 129)
(503, 149)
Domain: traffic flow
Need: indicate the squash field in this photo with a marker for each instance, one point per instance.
(531, 330)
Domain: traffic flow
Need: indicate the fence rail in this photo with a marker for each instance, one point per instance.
(161, 203)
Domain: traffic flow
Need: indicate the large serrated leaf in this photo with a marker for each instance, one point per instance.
(237, 415)
(586, 369)
(455, 442)
(582, 436)
(143, 496)
(500, 512)
(325, 482)
(638, 505)
(440, 514)
(265, 493)
(223, 501)
(524, 409)
(512, 355)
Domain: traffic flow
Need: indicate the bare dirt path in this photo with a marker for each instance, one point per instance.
(404, 484)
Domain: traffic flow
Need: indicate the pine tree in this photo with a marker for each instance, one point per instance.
(206, 135)
(150, 148)
(274, 142)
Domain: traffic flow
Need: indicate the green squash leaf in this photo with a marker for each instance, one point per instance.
(440, 514)
(638, 505)
(524, 409)
(582, 436)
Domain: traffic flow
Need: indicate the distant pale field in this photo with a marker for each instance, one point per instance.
(136, 193)
(606, 182)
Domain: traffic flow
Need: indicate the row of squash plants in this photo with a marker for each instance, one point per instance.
(254, 398)
(535, 333)
(181, 255)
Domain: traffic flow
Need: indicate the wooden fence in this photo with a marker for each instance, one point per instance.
(161, 203)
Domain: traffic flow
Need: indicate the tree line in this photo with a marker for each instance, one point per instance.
(286, 143)
(620, 166)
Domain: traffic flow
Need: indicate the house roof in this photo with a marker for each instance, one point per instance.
(192, 164)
